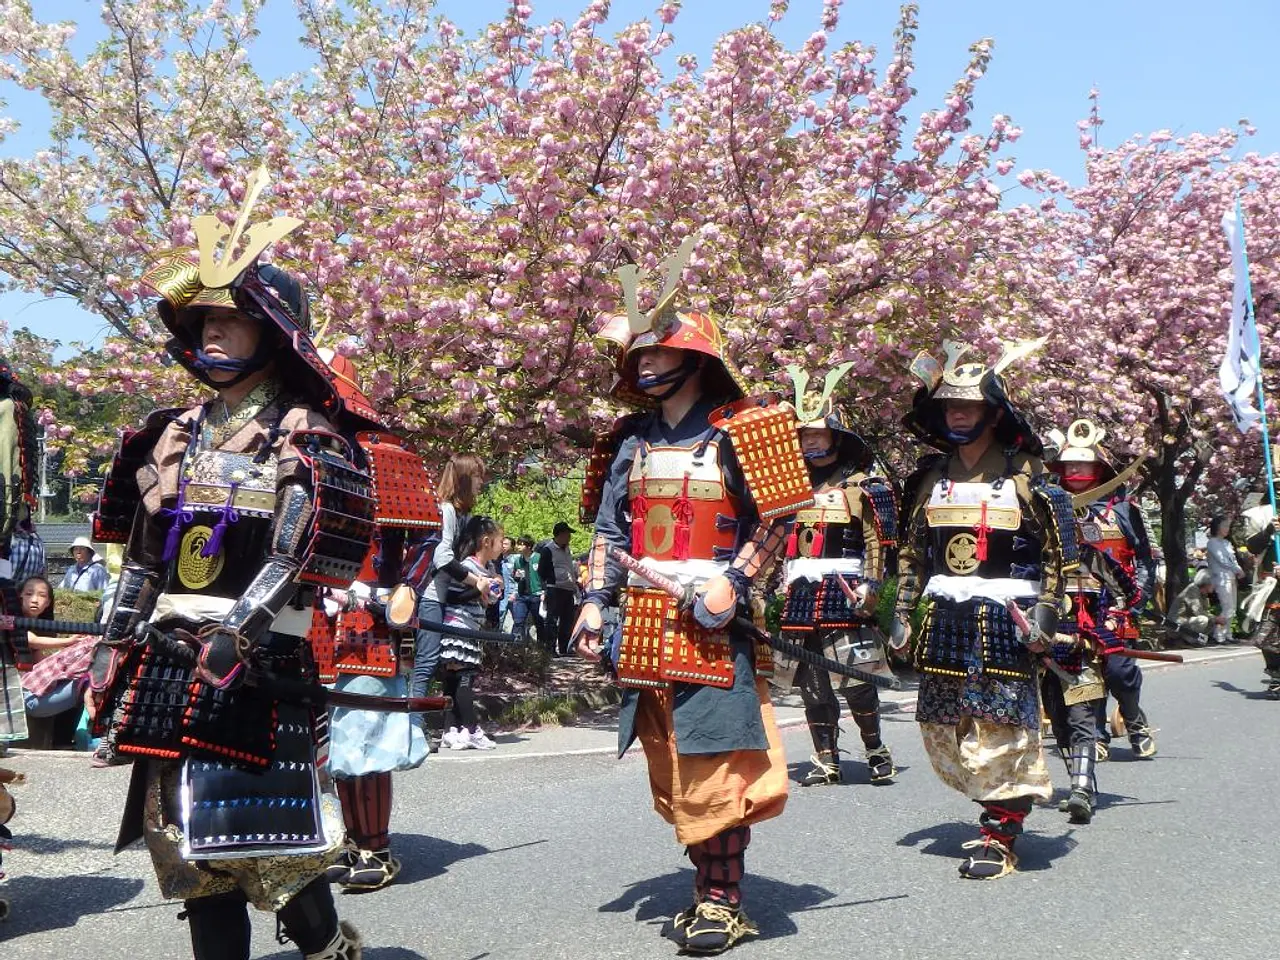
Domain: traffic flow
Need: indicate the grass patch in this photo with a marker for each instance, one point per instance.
(548, 710)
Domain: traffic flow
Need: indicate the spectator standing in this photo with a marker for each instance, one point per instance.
(524, 570)
(1224, 569)
(461, 656)
(88, 574)
(26, 552)
(460, 483)
(508, 581)
(557, 569)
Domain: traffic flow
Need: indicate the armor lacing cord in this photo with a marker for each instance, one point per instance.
(639, 510)
(682, 512)
(229, 515)
(819, 539)
(982, 528)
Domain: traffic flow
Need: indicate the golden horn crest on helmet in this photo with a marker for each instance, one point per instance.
(225, 251)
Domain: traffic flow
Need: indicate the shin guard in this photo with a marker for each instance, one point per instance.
(219, 926)
(366, 808)
(720, 863)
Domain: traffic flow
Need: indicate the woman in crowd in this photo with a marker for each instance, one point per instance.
(459, 486)
(1225, 570)
(465, 606)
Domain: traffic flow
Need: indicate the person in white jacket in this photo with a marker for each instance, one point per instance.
(1224, 569)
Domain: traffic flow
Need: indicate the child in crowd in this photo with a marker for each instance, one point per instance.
(480, 545)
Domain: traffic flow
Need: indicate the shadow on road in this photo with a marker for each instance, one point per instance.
(39, 904)
(768, 902)
(41, 845)
(425, 857)
(1036, 851)
(1247, 694)
(370, 953)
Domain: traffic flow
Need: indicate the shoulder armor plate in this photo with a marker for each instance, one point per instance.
(884, 509)
(119, 498)
(767, 444)
(1062, 513)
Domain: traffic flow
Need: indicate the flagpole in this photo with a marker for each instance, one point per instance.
(1262, 397)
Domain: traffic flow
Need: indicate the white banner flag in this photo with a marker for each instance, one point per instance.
(1242, 363)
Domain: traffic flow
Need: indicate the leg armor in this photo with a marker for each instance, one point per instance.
(822, 712)
(716, 922)
(311, 921)
(366, 862)
(1080, 763)
(993, 856)
(219, 926)
(864, 704)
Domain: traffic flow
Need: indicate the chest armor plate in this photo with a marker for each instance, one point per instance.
(977, 529)
(231, 493)
(679, 505)
(1105, 535)
(830, 516)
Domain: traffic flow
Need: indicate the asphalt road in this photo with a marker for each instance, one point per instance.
(562, 857)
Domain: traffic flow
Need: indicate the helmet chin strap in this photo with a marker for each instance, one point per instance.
(676, 378)
(819, 454)
(962, 438)
(204, 364)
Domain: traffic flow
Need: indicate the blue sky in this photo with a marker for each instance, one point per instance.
(1178, 65)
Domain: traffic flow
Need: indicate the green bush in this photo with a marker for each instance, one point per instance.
(70, 605)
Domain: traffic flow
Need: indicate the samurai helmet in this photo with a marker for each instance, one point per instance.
(969, 379)
(1082, 443)
(818, 411)
(226, 274)
(623, 336)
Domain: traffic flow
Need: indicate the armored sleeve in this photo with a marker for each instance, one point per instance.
(913, 547)
(860, 506)
(1134, 527)
(141, 576)
(605, 576)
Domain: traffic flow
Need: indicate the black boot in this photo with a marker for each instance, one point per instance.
(716, 921)
(372, 870)
(1140, 737)
(826, 756)
(337, 871)
(880, 765)
(993, 855)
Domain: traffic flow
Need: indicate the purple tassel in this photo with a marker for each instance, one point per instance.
(229, 515)
(178, 518)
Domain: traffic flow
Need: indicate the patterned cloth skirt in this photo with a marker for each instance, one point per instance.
(460, 651)
(373, 741)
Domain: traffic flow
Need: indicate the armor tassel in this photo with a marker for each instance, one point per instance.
(793, 544)
(682, 512)
(981, 551)
(639, 510)
(819, 539)
(179, 517)
(229, 515)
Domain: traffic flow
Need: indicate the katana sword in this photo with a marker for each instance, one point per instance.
(793, 650)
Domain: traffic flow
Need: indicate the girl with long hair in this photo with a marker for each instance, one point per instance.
(480, 545)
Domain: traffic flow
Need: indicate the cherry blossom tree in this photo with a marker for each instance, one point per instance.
(467, 200)
(1129, 275)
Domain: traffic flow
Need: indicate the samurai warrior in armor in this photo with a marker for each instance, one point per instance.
(700, 486)
(1261, 531)
(17, 499)
(1118, 579)
(363, 655)
(838, 547)
(235, 513)
(984, 533)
